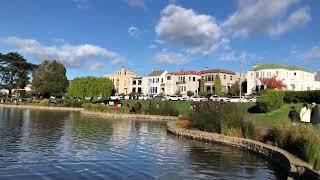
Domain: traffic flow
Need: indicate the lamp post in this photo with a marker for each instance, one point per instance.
(241, 64)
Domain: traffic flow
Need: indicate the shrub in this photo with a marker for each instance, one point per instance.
(225, 118)
(44, 102)
(105, 108)
(74, 103)
(269, 101)
(301, 141)
(183, 123)
(166, 108)
(302, 96)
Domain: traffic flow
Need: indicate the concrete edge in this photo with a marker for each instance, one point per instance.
(131, 116)
(42, 107)
(284, 159)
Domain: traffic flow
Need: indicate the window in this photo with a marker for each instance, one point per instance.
(139, 90)
(133, 90)
(231, 78)
(294, 73)
(224, 76)
(194, 78)
(161, 80)
(184, 88)
(168, 78)
(134, 82)
(257, 74)
(189, 78)
(139, 82)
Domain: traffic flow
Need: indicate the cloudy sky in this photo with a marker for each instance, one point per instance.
(96, 37)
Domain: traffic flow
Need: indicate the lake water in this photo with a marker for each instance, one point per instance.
(67, 145)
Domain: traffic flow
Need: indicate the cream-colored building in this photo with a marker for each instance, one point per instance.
(227, 79)
(138, 85)
(155, 82)
(295, 78)
(182, 82)
(121, 80)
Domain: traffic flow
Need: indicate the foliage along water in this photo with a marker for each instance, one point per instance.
(53, 145)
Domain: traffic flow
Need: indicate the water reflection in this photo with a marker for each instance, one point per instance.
(54, 145)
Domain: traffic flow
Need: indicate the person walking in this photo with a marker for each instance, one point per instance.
(305, 114)
(315, 116)
(294, 116)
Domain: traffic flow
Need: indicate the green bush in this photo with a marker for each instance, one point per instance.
(302, 96)
(44, 102)
(301, 141)
(105, 108)
(225, 118)
(269, 100)
(74, 103)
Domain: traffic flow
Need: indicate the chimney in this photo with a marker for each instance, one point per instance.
(206, 68)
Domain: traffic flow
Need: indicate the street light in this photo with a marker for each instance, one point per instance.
(241, 64)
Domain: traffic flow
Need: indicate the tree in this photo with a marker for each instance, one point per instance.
(190, 93)
(14, 71)
(234, 89)
(92, 87)
(178, 93)
(50, 79)
(217, 86)
(273, 83)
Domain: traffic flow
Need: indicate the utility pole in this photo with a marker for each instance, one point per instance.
(241, 64)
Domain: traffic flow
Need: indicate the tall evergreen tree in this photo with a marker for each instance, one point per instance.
(50, 79)
(217, 86)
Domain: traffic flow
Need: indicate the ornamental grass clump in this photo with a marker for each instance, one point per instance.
(300, 140)
(230, 119)
(104, 108)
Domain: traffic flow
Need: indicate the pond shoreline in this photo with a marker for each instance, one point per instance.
(284, 159)
(42, 107)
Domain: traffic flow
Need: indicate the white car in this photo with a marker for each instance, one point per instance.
(183, 98)
(173, 98)
(198, 99)
(219, 99)
(143, 97)
(238, 99)
(116, 97)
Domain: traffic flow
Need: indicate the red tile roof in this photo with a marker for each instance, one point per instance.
(179, 73)
(217, 71)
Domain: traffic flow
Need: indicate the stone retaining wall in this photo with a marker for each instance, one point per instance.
(285, 160)
(131, 116)
(42, 107)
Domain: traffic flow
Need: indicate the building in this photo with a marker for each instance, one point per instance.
(137, 85)
(227, 78)
(121, 80)
(295, 78)
(182, 82)
(156, 82)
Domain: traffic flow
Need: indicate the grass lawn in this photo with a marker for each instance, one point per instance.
(276, 117)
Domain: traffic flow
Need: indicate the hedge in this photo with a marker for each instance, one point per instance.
(302, 96)
(270, 100)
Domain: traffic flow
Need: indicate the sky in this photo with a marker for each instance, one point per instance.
(97, 37)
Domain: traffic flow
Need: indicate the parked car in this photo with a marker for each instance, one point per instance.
(238, 99)
(183, 98)
(219, 98)
(198, 99)
(173, 98)
(143, 97)
(159, 98)
(116, 97)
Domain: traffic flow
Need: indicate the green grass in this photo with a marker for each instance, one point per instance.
(276, 117)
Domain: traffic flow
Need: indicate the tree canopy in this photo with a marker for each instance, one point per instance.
(92, 87)
(273, 83)
(235, 89)
(50, 79)
(217, 86)
(14, 71)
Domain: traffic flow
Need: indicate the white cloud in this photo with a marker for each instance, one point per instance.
(82, 4)
(170, 58)
(74, 56)
(233, 56)
(134, 31)
(264, 17)
(184, 28)
(98, 66)
(137, 3)
(298, 17)
(152, 46)
(312, 54)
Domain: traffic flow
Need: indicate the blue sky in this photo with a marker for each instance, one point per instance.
(97, 37)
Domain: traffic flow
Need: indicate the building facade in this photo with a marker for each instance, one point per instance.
(155, 83)
(295, 78)
(227, 78)
(181, 82)
(137, 85)
(121, 80)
